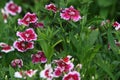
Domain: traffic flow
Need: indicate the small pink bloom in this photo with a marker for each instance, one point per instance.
(27, 35)
(12, 8)
(117, 43)
(67, 59)
(17, 62)
(27, 19)
(72, 76)
(70, 14)
(4, 15)
(47, 72)
(23, 46)
(30, 73)
(39, 57)
(51, 7)
(58, 72)
(38, 24)
(105, 22)
(6, 48)
(116, 25)
(65, 66)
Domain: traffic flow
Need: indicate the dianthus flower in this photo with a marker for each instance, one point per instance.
(27, 35)
(70, 14)
(6, 48)
(27, 19)
(12, 8)
(39, 57)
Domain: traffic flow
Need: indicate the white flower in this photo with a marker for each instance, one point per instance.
(47, 72)
(18, 75)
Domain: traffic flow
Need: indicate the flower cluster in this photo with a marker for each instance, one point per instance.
(26, 40)
(67, 14)
(10, 9)
(64, 67)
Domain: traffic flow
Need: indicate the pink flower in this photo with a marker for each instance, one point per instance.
(51, 7)
(27, 35)
(27, 19)
(47, 72)
(58, 72)
(116, 25)
(12, 8)
(39, 57)
(65, 64)
(17, 62)
(4, 15)
(72, 76)
(67, 59)
(70, 14)
(116, 43)
(23, 46)
(105, 22)
(38, 24)
(30, 73)
(6, 48)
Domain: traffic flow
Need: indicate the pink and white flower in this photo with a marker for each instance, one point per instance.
(23, 46)
(12, 8)
(67, 59)
(30, 72)
(38, 25)
(57, 72)
(105, 22)
(39, 57)
(18, 74)
(74, 75)
(116, 25)
(47, 72)
(117, 43)
(17, 63)
(51, 7)
(4, 15)
(27, 19)
(65, 64)
(70, 14)
(6, 48)
(27, 35)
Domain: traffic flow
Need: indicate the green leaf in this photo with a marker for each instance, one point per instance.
(111, 41)
(11, 72)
